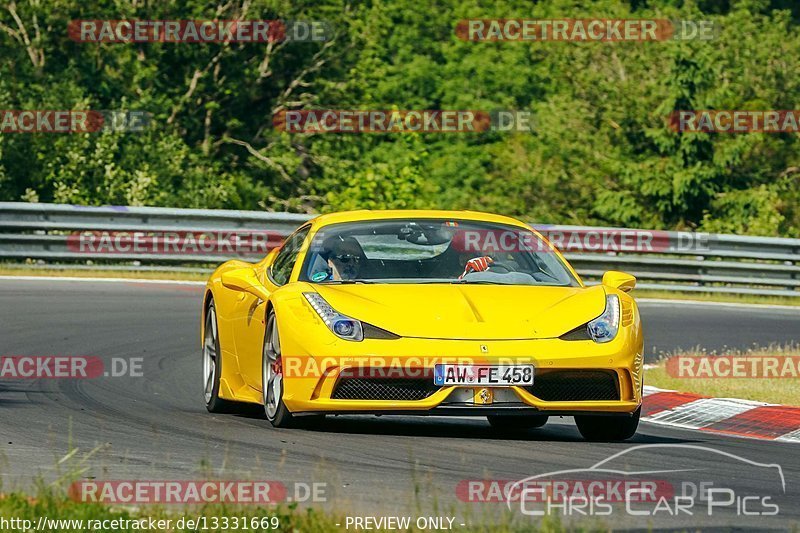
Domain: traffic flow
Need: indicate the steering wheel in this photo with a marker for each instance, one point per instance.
(505, 267)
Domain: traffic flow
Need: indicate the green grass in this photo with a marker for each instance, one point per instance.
(54, 500)
(772, 390)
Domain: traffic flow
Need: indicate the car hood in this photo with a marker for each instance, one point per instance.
(451, 311)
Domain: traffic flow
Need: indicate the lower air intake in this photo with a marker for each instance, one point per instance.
(575, 386)
(398, 389)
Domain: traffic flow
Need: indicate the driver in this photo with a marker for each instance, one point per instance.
(345, 258)
(477, 264)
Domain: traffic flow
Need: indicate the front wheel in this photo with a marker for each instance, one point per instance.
(212, 365)
(272, 377)
(509, 422)
(608, 428)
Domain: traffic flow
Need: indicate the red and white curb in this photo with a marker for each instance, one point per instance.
(730, 416)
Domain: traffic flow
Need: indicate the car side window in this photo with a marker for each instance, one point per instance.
(281, 268)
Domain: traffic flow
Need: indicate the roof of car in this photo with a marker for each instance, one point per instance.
(365, 215)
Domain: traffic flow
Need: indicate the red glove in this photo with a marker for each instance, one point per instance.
(477, 264)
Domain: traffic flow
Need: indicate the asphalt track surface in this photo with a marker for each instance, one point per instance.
(156, 427)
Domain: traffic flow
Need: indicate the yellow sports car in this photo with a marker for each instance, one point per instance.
(427, 313)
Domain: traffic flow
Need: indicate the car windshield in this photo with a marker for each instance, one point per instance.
(432, 251)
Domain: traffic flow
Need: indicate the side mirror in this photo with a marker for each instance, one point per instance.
(619, 280)
(245, 280)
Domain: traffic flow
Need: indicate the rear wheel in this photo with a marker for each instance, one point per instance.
(509, 422)
(272, 377)
(608, 428)
(212, 365)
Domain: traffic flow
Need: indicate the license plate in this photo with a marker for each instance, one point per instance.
(496, 376)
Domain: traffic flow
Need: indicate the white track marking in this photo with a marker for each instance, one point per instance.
(103, 280)
(648, 390)
(678, 303)
(794, 436)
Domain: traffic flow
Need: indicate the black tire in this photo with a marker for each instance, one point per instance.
(608, 428)
(511, 423)
(212, 373)
(271, 391)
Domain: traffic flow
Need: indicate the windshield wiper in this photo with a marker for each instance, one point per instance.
(475, 282)
(346, 281)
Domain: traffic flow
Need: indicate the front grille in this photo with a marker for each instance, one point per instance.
(403, 389)
(575, 385)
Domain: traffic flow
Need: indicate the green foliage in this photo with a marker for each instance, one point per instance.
(600, 153)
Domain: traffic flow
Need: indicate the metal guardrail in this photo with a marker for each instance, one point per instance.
(49, 235)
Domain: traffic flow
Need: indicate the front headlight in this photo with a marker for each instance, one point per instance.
(342, 326)
(605, 327)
